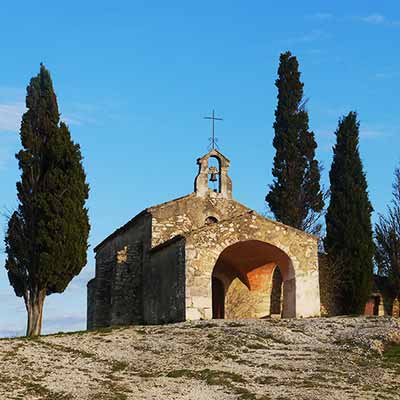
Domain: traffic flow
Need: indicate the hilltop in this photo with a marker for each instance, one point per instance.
(329, 358)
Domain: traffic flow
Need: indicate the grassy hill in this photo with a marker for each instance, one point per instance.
(322, 358)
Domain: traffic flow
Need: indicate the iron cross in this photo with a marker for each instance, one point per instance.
(213, 139)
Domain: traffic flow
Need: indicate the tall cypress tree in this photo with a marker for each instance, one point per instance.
(349, 240)
(46, 240)
(295, 194)
(387, 239)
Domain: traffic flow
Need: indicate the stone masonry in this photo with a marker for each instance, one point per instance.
(183, 260)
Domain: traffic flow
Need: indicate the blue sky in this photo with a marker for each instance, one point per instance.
(135, 78)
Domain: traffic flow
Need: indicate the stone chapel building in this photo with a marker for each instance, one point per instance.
(203, 256)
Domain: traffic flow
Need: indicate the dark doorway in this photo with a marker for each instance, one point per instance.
(218, 299)
(276, 292)
(377, 301)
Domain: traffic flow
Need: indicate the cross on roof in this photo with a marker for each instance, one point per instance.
(213, 139)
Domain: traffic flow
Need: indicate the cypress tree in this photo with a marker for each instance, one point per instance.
(349, 240)
(295, 195)
(46, 240)
(387, 238)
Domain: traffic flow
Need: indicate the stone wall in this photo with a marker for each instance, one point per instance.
(158, 267)
(114, 296)
(204, 246)
(126, 286)
(164, 283)
(188, 213)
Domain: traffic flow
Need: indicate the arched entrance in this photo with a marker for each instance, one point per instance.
(247, 282)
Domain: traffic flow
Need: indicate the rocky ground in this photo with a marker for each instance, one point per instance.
(324, 358)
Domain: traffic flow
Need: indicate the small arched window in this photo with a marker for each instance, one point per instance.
(211, 220)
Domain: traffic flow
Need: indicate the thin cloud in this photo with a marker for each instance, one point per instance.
(366, 133)
(78, 119)
(322, 16)
(10, 116)
(378, 19)
(80, 282)
(8, 332)
(309, 37)
(59, 323)
(63, 320)
(382, 75)
(8, 147)
(374, 19)
(371, 133)
(68, 322)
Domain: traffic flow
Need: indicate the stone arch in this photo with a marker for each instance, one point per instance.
(224, 187)
(245, 269)
(204, 246)
(214, 173)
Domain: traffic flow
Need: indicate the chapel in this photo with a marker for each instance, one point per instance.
(203, 256)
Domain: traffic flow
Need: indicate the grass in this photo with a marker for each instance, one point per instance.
(204, 325)
(211, 377)
(118, 366)
(65, 349)
(229, 380)
(392, 354)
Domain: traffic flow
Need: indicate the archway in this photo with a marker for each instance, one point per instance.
(214, 171)
(248, 278)
(374, 305)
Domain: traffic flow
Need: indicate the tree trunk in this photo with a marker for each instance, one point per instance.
(35, 312)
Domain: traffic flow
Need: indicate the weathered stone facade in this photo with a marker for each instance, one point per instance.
(184, 258)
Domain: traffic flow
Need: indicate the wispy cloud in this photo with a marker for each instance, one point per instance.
(9, 332)
(374, 19)
(321, 16)
(10, 116)
(64, 322)
(79, 119)
(8, 147)
(369, 133)
(68, 322)
(309, 37)
(80, 281)
(381, 75)
(378, 19)
(365, 132)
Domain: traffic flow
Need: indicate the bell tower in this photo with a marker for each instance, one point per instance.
(212, 179)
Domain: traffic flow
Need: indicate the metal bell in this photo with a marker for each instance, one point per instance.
(213, 174)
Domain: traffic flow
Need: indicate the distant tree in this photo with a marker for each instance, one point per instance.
(349, 241)
(46, 240)
(295, 197)
(387, 238)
